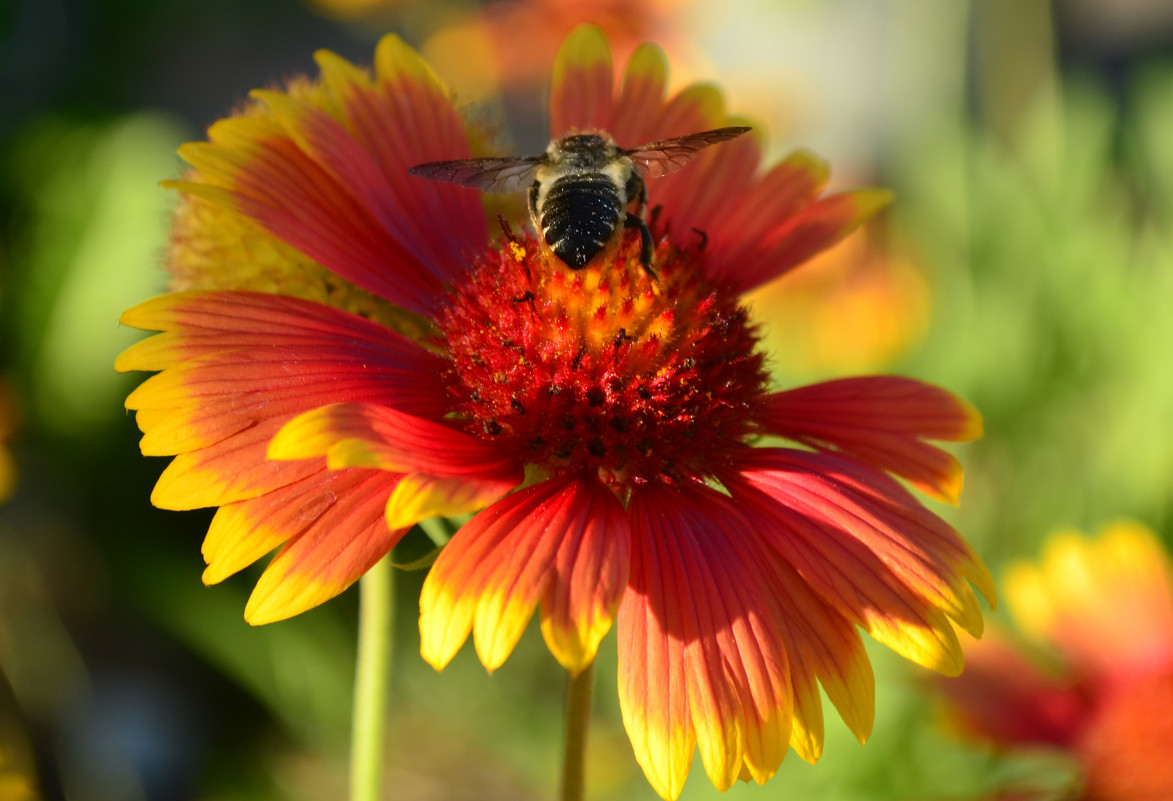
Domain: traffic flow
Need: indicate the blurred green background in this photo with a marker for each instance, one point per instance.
(1027, 265)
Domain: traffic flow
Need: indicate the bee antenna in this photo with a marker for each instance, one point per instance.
(704, 238)
(507, 229)
(654, 216)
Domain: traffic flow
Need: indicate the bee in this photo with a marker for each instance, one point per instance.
(582, 187)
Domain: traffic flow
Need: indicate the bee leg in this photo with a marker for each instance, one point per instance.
(637, 192)
(647, 247)
(532, 202)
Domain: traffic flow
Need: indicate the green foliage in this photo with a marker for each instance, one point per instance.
(1051, 261)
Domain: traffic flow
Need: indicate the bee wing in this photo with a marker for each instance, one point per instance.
(488, 175)
(656, 159)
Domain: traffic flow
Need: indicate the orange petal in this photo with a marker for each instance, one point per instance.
(559, 542)
(695, 579)
(883, 421)
(589, 577)
(582, 84)
(867, 548)
(697, 107)
(345, 537)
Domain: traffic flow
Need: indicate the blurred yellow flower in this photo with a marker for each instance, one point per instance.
(855, 308)
(1104, 607)
(1105, 604)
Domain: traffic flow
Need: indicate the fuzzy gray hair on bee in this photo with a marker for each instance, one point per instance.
(581, 188)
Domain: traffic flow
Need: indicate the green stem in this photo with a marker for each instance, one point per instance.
(372, 675)
(578, 719)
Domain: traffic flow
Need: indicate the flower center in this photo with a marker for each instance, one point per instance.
(604, 368)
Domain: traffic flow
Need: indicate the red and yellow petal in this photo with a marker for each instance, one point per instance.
(582, 86)
(419, 496)
(405, 117)
(748, 207)
(653, 692)
(197, 324)
(580, 602)
(337, 534)
(253, 167)
(881, 514)
(701, 195)
(795, 238)
(237, 366)
(825, 649)
(868, 548)
(645, 80)
(376, 436)
(881, 420)
(563, 543)
(583, 97)
(756, 229)
(325, 171)
(243, 532)
(700, 654)
(232, 469)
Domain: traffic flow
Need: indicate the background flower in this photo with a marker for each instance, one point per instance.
(857, 308)
(1104, 607)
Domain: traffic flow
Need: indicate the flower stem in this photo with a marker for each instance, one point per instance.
(578, 718)
(372, 675)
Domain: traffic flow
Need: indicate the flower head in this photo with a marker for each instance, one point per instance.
(605, 423)
(1104, 608)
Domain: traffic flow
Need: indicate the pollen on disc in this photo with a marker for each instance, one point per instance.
(604, 368)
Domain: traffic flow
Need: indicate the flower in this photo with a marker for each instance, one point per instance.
(603, 421)
(1104, 606)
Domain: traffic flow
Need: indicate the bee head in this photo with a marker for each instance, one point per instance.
(582, 148)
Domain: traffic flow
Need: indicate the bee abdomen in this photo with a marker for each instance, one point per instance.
(579, 215)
